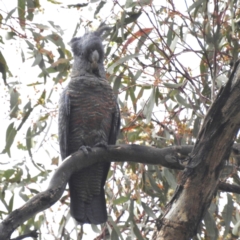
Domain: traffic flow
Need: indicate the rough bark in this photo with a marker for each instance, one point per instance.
(200, 180)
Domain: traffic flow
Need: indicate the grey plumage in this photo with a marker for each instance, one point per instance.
(88, 116)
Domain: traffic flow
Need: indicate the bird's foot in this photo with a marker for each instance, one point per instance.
(85, 149)
(102, 145)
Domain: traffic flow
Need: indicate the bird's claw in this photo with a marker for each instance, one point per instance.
(102, 145)
(85, 149)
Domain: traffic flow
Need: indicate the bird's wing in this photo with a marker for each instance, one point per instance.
(114, 126)
(63, 125)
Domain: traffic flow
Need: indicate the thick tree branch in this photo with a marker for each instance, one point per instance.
(199, 182)
(116, 153)
(77, 161)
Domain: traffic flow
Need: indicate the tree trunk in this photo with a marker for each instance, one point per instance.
(200, 179)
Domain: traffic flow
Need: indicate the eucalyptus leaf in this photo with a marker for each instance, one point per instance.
(9, 15)
(227, 214)
(10, 136)
(148, 210)
(21, 12)
(120, 61)
(169, 177)
(210, 226)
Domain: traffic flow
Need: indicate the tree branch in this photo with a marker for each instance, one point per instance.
(166, 157)
(78, 161)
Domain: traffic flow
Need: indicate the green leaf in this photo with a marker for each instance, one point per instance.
(174, 85)
(30, 45)
(174, 43)
(56, 27)
(138, 74)
(76, 30)
(1, 18)
(42, 98)
(39, 127)
(236, 229)
(21, 13)
(10, 35)
(145, 2)
(120, 61)
(141, 42)
(10, 136)
(140, 93)
(169, 177)
(133, 98)
(182, 101)
(38, 58)
(153, 183)
(131, 207)
(115, 227)
(54, 2)
(95, 228)
(78, 5)
(41, 27)
(120, 200)
(30, 9)
(56, 39)
(121, 23)
(29, 141)
(14, 103)
(148, 210)
(210, 226)
(3, 67)
(227, 214)
(34, 191)
(117, 83)
(18, 175)
(10, 14)
(137, 232)
(99, 7)
(204, 70)
(22, 56)
(10, 206)
(114, 235)
(8, 173)
(170, 34)
(195, 5)
(130, 3)
(22, 195)
(149, 106)
(26, 113)
(3, 200)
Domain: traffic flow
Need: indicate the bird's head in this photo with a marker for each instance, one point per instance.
(88, 49)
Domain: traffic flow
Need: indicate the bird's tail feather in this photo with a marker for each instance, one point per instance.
(93, 212)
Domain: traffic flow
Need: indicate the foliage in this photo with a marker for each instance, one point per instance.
(165, 61)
